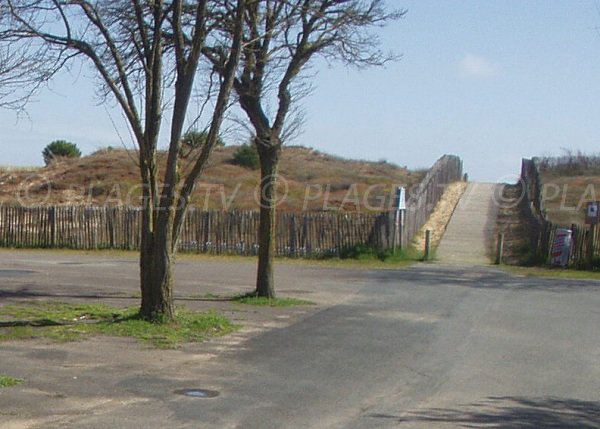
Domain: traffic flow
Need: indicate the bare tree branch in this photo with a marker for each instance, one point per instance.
(146, 55)
(282, 37)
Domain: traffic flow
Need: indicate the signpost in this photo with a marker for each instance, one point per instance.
(591, 213)
(399, 217)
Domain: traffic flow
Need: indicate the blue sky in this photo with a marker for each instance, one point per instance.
(489, 80)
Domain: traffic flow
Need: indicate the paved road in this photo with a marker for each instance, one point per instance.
(432, 346)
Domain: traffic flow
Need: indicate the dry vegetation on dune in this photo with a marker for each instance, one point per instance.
(310, 180)
(569, 182)
(565, 198)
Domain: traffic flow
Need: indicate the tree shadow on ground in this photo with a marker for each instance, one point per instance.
(481, 278)
(35, 292)
(32, 323)
(509, 413)
(26, 292)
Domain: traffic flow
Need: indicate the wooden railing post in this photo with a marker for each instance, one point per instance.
(52, 225)
(427, 253)
(590, 247)
(500, 248)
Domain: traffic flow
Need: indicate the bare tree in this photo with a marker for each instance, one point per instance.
(281, 38)
(20, 74)
(146, 54)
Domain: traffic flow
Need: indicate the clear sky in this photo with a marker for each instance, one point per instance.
(492, 81)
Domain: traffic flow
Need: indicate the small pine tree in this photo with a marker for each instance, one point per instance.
(246, 156)
(60, 149)
(194, 140)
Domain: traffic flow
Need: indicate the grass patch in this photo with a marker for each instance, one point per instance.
(6, 381)
(253, 299)
(559, 273)
(362, 254)
(69, 322)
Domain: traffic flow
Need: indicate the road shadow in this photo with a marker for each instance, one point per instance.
(509, 413)
(37, 323)
(480, 277)
(34, 292)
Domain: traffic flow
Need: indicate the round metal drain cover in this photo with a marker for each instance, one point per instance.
(198, 393)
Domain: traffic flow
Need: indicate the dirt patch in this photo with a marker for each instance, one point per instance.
(438, 221)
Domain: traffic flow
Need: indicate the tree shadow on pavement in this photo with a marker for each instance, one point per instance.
(35, 292)
(509, 413)
(480, 278)
(26, 292)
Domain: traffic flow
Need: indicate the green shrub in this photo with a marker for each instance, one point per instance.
(360, 252)
(246, 156)
(364, 252)
(193, 140)
(60, 149)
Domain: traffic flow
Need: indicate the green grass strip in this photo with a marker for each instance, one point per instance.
(253, 299)
(557, 273)
(69, 322)
(6, 381)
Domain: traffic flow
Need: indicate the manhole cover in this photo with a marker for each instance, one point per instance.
(198, 393)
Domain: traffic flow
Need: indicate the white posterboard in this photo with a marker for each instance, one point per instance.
(561, 248)
(401, 195)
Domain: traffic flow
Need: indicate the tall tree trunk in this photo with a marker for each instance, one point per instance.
(269, 160)
(156, 263)
(157, 284)
(146, 263)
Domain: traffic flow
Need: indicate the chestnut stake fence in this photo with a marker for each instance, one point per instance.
(217, 232)
(233, 232)
(585, 248)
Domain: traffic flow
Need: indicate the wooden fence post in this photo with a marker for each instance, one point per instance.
(500, 248)
(52, 224)
(590, 247)
(427, 254)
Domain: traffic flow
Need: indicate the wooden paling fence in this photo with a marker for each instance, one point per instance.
(581, 254)
(85, 228)
(426, 195)
(389, 232)
(76, 227)
(584, 249)
(234, 232)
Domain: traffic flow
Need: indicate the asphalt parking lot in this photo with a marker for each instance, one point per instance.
(429, 346)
